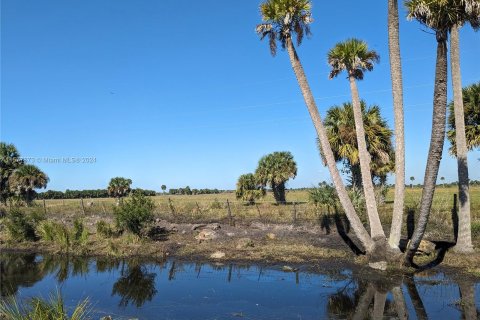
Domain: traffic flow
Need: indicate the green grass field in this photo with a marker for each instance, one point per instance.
(214, 207)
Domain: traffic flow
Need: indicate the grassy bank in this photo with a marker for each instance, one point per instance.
(274, 236)
(214, 207)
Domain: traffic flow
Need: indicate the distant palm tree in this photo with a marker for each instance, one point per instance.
(164, 187)
(472, 9)
(248, 189)
(9, 161)
(340, 126)
(25, 180)
(119, 187)
(281, 21)
(397, 93)
(275, 170)
(412, 178)
(440, 16)
(354, 57)
(443, 181)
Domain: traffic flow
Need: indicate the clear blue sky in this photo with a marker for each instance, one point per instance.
(184, 93)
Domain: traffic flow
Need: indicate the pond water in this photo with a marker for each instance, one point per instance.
(133, 288)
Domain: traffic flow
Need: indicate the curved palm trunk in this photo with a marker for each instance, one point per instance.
(436, 147)
(464, 239)
(376, 229)
(347, 205)
(397, 90)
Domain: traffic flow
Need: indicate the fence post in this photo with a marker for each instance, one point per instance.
(83, 207)
(294, 214)
(230, 214)
(44, 207)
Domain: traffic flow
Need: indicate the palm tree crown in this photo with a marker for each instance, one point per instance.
(119, 187)
(25, 179)
(281, 18)
(471, 104)
(441, 15)
(276, 168)
(352, 56)
(340, 125)
(248, 189)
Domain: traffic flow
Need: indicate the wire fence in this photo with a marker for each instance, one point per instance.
(225, 210)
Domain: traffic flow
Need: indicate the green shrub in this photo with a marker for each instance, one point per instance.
(79, 232)
(20, 226)
(325, 195)
(104, 229)
(46, 230)
(62, 235)
(134, 213)
(55, 232)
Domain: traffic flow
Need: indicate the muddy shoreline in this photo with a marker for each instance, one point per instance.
(269, 245)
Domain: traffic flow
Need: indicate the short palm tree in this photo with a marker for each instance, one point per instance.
(440, 16)
(248, 189)
(119, 187)
(354, 57)
(25, 180)
(282, 20)
(275, 170)
(9, 161)
(340, 125)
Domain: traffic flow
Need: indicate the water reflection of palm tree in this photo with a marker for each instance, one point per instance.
(467, 296)
(135, 286)
(357, 303)
(18, 271)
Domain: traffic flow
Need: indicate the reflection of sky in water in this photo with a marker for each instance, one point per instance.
(205, 292)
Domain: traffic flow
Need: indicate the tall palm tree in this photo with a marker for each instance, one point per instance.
(464, 238)
(248, 189)
(25, 180)
(281, 21)
(9, 161)
(340, 126)
(471, 104)
(440, 16)
(397, 91)
(354, 57)
(275, 170)
(119, 187)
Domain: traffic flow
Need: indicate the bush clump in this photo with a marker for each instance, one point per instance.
(79, 232)
(104, 229)
(324, 196)
(134, 213)
(20, 226)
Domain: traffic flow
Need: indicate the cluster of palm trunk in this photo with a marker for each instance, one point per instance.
(284, 18)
